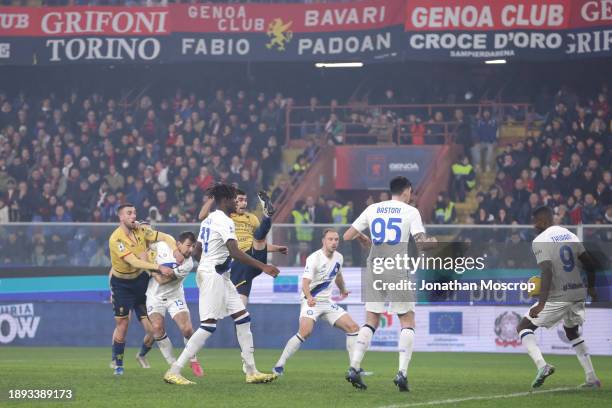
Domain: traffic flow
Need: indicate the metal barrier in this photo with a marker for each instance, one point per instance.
(85, 245)
(373, 124)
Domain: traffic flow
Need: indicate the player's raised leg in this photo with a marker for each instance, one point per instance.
(526, 331)
(183, 321)
(406, 344)
(583, 357)
(294, 344)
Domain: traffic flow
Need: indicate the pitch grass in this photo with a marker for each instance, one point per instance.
(312, 379)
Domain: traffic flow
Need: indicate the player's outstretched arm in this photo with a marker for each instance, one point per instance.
(425, 242)
(161, 279)
(237, 254)
(206, 209)
(352, 233)
(306, 290)
(277, 248)
(140, 264)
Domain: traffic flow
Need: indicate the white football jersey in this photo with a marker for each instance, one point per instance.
(322, 272)
(562, 248)
(174, 288)
(390, 222)
(215, 231)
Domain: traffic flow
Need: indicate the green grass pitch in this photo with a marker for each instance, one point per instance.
(312, 379)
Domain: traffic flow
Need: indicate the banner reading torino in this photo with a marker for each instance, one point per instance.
(369, 31)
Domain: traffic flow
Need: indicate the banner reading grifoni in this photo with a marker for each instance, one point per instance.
(370, 31)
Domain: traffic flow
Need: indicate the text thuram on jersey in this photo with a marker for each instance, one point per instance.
(406, 285)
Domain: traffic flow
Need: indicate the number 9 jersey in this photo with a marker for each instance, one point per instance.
(562, 248)
(390, 222)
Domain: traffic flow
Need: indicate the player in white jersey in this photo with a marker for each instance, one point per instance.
(390, 222)
(166, 294)
(561, 257)
(217, 245)
(322, 268)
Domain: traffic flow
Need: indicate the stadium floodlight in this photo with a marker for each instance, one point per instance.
(339, 64)
(496, 61)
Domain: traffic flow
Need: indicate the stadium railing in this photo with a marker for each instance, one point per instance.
(396, 129)
(85, 245)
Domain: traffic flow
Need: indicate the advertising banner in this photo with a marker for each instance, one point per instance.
(532, 29)
(484, 329)
(367, 31)
(380, 164)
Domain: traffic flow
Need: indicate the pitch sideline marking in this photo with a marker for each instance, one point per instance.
(478, 398)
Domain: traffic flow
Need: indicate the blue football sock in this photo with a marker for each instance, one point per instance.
(144, 349)
(118, 349)
(263, 229)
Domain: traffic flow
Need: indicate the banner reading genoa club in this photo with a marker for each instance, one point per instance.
(369, 31)
(525, 29)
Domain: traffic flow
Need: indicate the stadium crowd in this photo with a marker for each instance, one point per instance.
(567, 166)
(77, 159)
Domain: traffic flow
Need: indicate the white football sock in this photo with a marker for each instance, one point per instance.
(193, 359)
(291, 347)
(245, 339)
(529, 341)
(406, 343)
(361, 345)
(585, 359)
(165, 346)
(351, 339)
(195, 343)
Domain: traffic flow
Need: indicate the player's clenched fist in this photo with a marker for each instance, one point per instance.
(271, 270)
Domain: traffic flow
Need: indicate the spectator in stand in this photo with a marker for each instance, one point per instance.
(504, 182)
(463, 178)
(444, 211)
(591, 211)
(462, 131)
(300, 166)
(341, 213)
(520, 194)
(303, 235)
(528, 208)
(482, 217)
(436, 129)
(334, 130)
(311, 119)
(4, 212)
(485, 138)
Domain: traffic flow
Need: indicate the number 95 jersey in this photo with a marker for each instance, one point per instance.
(562, 248)
(390, 222)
